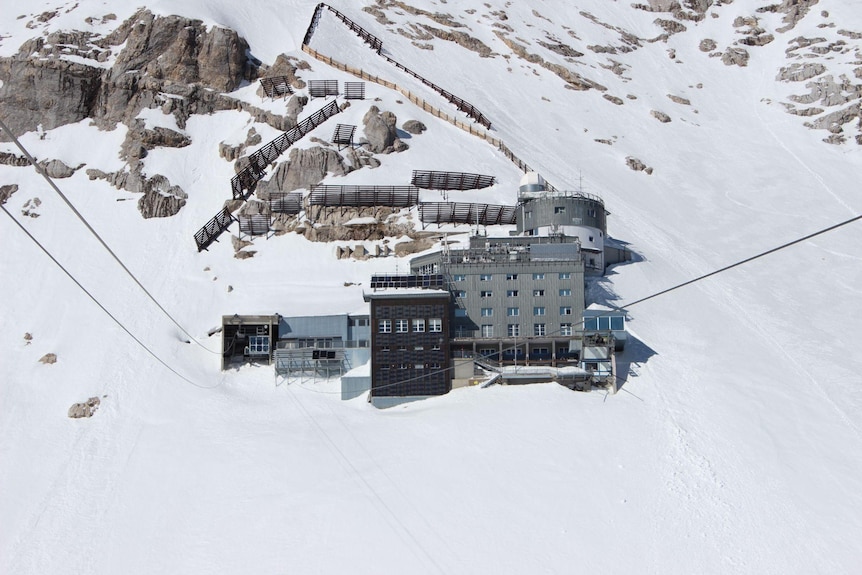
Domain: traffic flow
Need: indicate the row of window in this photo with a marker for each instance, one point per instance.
(510, 277)
(515, 311)
(435, 324)
(514, 330)
(435, 347)
(410, 365)
(564, 292)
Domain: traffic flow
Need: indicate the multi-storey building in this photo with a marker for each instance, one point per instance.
(513, 298)
(410, 354)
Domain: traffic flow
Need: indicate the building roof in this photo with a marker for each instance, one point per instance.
(395, 293)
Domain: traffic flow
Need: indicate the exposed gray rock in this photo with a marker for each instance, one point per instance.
(163, 137)
(85, 409)
(380, 130)
(637, 165)
(707, 45)
(660, 116)
(304, 168)
(10, 159)
(735, 57)
(414, 127)
(160, 198)
(179, 50)
(6, 191)
(680, 100)
(57, 169)
(46, 92)
(48, 359)
(800, 72)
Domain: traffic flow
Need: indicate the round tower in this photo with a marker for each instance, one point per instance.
(570, 214)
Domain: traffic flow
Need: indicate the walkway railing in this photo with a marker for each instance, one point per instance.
(243, 184)
(205, 236)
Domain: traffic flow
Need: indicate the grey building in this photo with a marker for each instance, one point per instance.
(514, 298)
(328, 344)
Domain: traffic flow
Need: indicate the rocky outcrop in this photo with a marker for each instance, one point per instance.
(160, 199)
(180, 50)
(6, 191)
(414, 127)
(303, 169)
(637, 165)
(660, 116)
(64, 79)
(48, 359)
(84, 409)
(380, 131)
(46, 92)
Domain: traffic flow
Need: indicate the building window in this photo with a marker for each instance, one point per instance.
(458, 277)
(565, 329)
(565, 292)
(513, 311)
(485, 277)
(538, 293)
(538, 276)
(591, 238)
(559, 209)
(402, 348)
(384, 368)
(419, 366)
(566, 310)
(512, 293)
(435, 347)
(566, 275)
(591, 213)
(459, 312)
(539, 310)
(513, 330)
(385, 326)
(511, 277)
(435, 324)
(487, 330)
(539, 329)
(402, 326)
(403, 366)
(384, 348)
(460, 293)
(486, 293)
(418, 325)
(487, 311)
(258, 344)
(434, 366)
(418, 348)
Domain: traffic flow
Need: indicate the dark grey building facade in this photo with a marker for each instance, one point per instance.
(410, 355)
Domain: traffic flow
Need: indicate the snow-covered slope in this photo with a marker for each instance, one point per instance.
(733, 447)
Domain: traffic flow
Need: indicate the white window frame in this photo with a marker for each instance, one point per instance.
(418, 325)
(487, 312)
(513, 330)
(540, 329)
(435, 325)
(566, 310)
(402, 326)
(565, 292)
(384, 326)
(487, 330)
(539, 310)
(513, 311)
